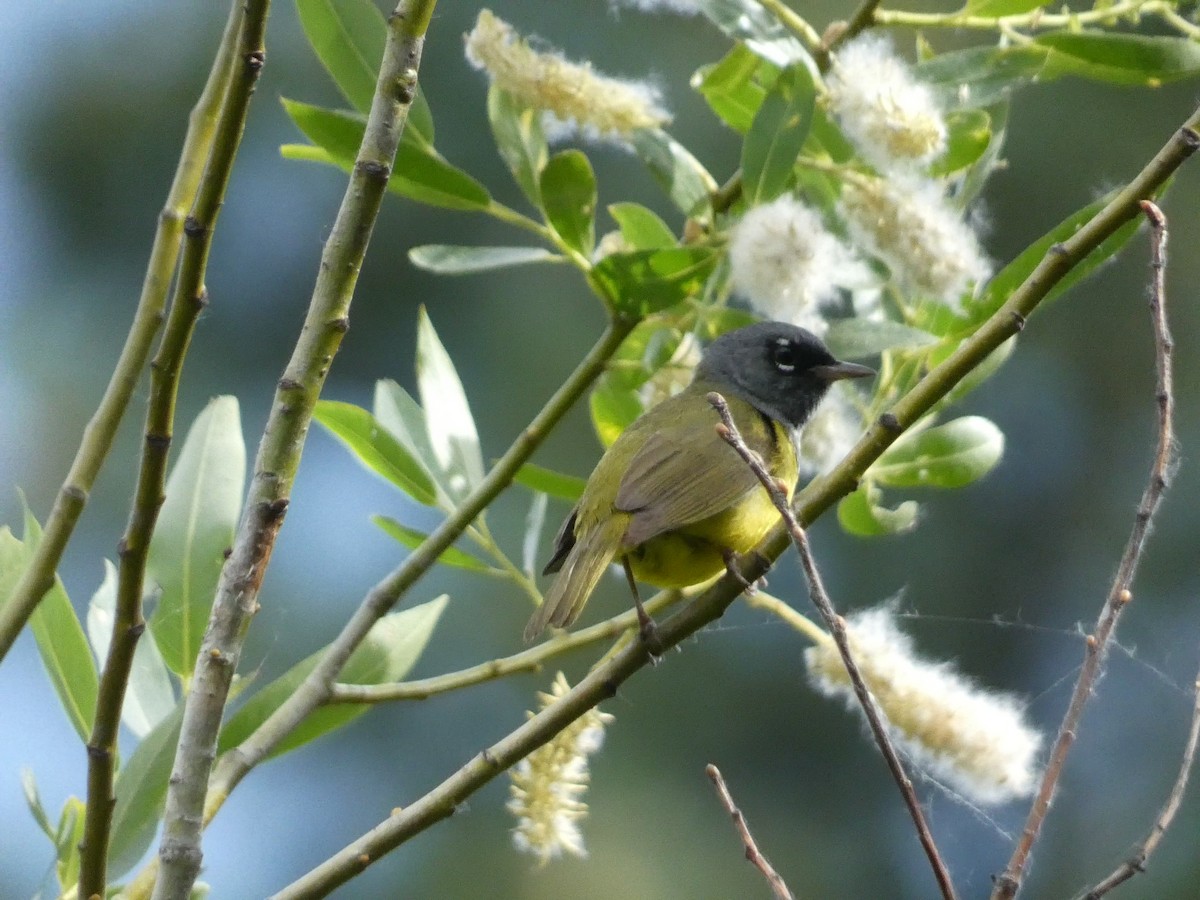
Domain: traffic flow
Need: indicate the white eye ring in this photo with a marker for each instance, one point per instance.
(782, 345)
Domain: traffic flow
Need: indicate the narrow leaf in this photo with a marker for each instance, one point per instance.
(141, 792)
(402, 416)
(1120, 58)
(388, 653)
(997, 8)
(777, 135)
(535, 520)
(568, 188)
(419, 173)
(348, 37)
(446, 259)
(547, 481)
(60, 639)
(681, 175)
(735, 86)
(858, 338)
(517, 130)
(149, 695)
(750, 23)
(1007, 279)
(195, 530)
(641, 228)
(969, 133)
(34, 802)
(447, 413)
(376, 448)
(451, 556)
(948, 456)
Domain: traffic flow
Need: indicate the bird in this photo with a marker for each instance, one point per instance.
(670, 500)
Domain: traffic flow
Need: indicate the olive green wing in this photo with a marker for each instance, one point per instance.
(678, 479)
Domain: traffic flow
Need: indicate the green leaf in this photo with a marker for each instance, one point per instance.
(451, 556)
(1119, 58)
(149, 695)
(34, 802)
(376, 448)
(613, 409)
(517, 130)
(141, 792)
(858, 338)
(446, 259)
(860, 513)
(556, 484)
(568, 187)
(195, 530)
(641, 228)
(448, 416)
(748, 22)
(400, 414)
(969, 133)
(60, 640)
(419, 173)
(388, 653)
(1011, 276)
(777, 135)
(947, 456)
(735, 86)
(686, 181)
(990, 366)
(67, 838)
(348, 37)
(647, 281)
(982, 76)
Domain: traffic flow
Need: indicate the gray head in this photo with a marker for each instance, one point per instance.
(780, 369)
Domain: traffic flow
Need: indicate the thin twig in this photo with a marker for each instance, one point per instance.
(1120, 593)
(187, 302)
(1137, 862)
(528, 660)
(101, 429)
(603, 681)
(281, 446)
(778, 886)
(837, 627)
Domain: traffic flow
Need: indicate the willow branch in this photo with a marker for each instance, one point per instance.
(1036, 20)
(1137, 862)
(837, 627)
(603, 681)
(755, 856)
(318, 687)
(189, 299)
(528, 660)
(101, 429)
(281, 446)
(1120, 594)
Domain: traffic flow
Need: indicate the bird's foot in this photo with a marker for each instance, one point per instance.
(733, 561)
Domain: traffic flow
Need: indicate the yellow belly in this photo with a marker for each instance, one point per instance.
(695, 553)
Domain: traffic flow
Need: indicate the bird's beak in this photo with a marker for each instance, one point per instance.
(839, 370)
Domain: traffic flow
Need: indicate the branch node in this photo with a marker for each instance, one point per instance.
(889, 422)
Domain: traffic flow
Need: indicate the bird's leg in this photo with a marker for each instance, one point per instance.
(646, 627)
(733, 560)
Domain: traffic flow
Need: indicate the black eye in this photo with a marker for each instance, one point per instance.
(784, 355)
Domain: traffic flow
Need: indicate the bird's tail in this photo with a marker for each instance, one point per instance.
(577, 578)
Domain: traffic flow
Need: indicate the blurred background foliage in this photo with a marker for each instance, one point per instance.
(998, 576)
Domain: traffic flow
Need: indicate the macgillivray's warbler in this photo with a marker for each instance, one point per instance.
(670, 499)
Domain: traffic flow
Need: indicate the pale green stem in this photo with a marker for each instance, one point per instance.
(280, 450)
(793, 22)
(602, 682)
(1035, 21)
(97, 441)
(530, 660)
